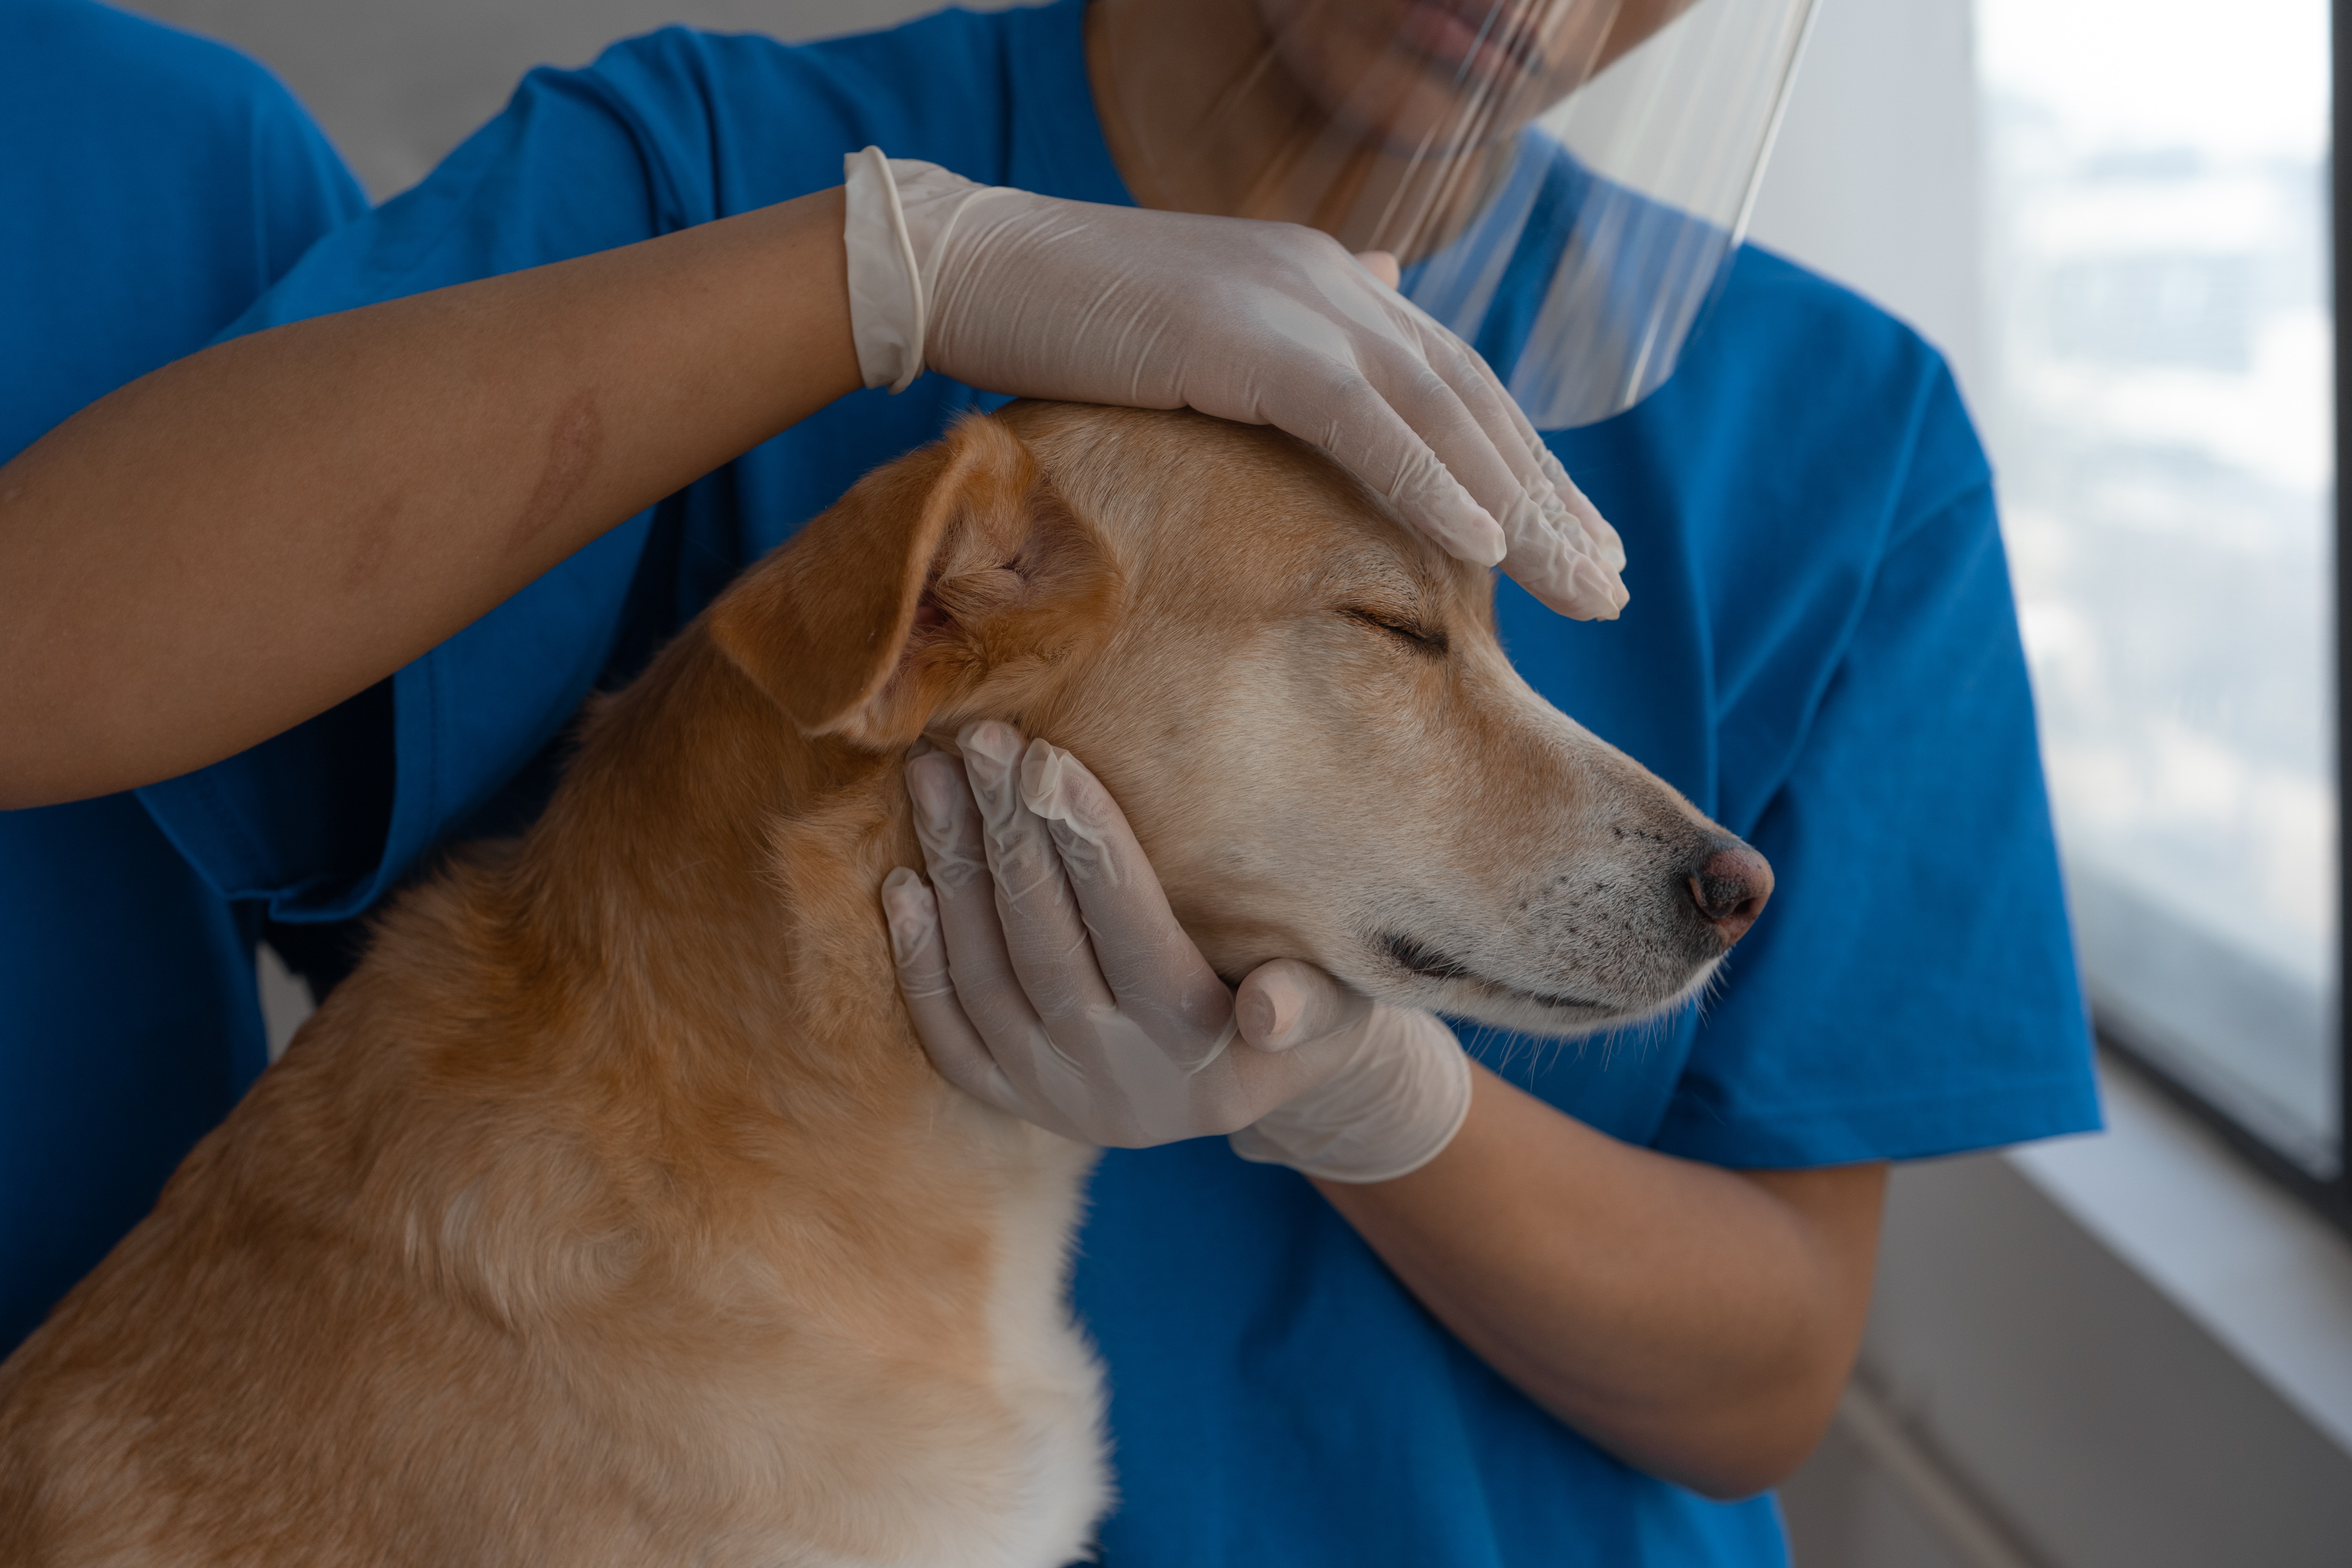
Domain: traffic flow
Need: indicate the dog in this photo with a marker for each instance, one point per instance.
(611, 1211)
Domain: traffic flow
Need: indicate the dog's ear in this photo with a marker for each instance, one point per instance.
(929, 576)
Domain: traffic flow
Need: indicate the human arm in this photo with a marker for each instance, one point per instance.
(1697, 1321)
(240, 540)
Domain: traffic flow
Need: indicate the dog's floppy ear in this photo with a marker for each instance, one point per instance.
(929, 575)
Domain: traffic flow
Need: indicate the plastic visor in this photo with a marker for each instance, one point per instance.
(1564, 181)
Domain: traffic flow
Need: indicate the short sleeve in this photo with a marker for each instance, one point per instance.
(321, 821)
(303, 189)
(171, 180)
(1911, 989)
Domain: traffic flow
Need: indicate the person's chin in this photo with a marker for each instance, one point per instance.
(1421, 120)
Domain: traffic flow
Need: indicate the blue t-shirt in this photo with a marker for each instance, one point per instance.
(1820, 651)
(153, 186)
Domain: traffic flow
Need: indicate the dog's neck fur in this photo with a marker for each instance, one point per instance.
(761, 851)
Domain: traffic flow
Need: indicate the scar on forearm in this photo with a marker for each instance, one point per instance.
(573, 446)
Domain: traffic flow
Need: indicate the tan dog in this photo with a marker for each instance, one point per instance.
(611, 1211)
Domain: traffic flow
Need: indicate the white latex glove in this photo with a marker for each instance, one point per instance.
(1265, 324)
(1047, 976)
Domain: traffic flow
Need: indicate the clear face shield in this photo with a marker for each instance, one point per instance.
(1563, 181)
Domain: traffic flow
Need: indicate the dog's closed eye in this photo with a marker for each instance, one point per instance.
(1423, 639)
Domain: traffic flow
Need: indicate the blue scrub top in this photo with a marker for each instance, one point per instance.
(154, 184)
(1820, 651)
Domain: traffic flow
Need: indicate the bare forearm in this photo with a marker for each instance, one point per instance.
(237, 541)
(1697, 1321)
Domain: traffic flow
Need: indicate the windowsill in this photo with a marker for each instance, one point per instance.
(2268, 1281)
(2121, 1347)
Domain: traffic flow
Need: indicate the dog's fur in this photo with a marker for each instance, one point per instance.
(611, 1211)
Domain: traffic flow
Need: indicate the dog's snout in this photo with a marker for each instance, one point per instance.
(1730, 886)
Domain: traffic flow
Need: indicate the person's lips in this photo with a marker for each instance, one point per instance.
(1488, 40)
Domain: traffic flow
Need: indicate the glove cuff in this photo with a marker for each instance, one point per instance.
(1386, 1119)
(900, 213)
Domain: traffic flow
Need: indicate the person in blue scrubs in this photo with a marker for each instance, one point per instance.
(1821, 653)
(155, 185)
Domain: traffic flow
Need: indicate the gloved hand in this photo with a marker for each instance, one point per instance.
(1047, 976)
(1263, 323)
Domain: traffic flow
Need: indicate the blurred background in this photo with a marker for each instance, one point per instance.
(2113, 217)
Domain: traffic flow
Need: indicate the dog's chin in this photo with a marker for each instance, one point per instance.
(1550, 1005)
(1502, 1006)
(1404, 974)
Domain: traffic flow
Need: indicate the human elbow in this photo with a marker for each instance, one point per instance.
(1752, 1450)
(1761, 1467)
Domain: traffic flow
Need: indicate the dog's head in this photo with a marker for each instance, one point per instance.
(1300, 704)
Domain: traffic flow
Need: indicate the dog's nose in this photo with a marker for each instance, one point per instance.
(1730, 886)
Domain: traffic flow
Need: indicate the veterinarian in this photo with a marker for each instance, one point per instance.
(155, 185)
(1574, 1303)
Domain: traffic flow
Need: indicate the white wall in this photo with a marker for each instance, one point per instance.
(1875, 181)
(398, 83)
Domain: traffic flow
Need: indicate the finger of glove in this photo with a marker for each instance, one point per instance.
(1326, 1037)
(1059, 1089)
(1044, 933)
(1398, 1093)
(987, 988)
(919, 951)
(1285, 1004)
(1245, 1084)
(1499, 414)
(1604, 539)
(1497, 466)
(1354, 422)
(1573, 563)
(1598, 534)
(1550, 553)
(1562, 501)
(1559, 571)
(1153, 968)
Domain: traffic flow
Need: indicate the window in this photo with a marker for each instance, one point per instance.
(2161, 412)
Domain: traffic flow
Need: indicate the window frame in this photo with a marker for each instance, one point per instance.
(2329, 1192)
